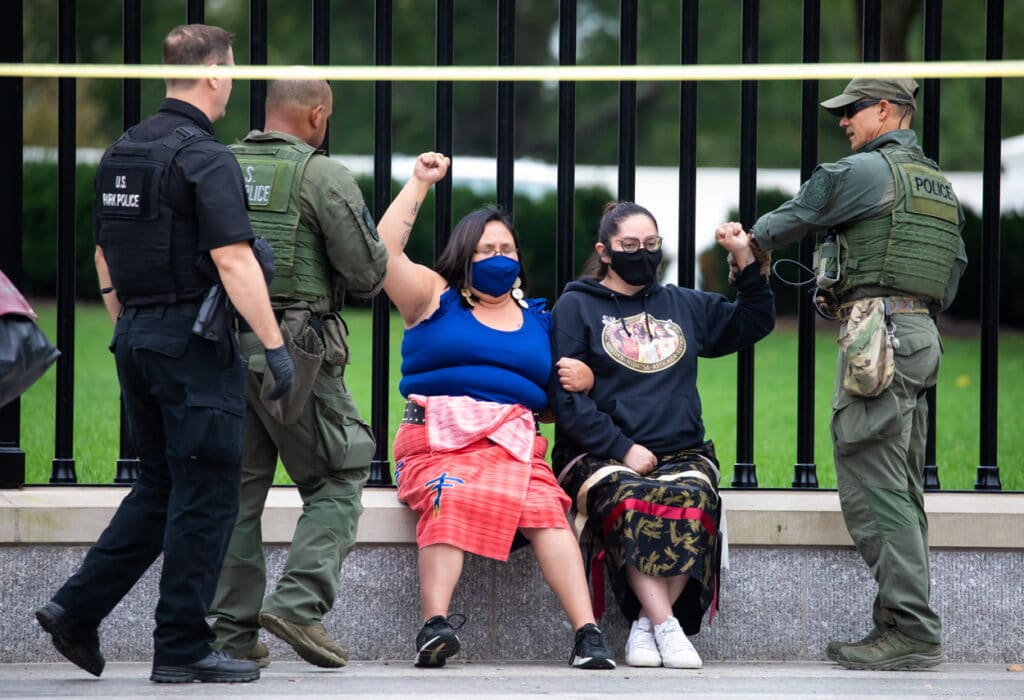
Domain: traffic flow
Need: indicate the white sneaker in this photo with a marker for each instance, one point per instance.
(641, 648)
(676, 649)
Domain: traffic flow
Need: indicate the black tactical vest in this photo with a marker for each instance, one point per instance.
(151, 255)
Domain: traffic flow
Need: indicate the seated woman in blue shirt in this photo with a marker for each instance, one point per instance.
(475, 363)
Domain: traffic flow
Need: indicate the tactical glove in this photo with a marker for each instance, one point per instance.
(279, 362)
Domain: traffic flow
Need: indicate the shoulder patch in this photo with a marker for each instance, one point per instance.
(368, 220)
(818, 190)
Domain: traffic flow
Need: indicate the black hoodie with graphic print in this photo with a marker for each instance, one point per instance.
(643, 351)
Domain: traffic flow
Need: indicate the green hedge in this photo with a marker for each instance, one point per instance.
(966, 306)
(535, 221)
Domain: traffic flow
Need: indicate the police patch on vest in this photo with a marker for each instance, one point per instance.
(930, 193)
(817, 191)
(259, 183)
(122, 191)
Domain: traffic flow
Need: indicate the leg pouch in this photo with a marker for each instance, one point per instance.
(868, 348)
(307, 353)
(335, 340)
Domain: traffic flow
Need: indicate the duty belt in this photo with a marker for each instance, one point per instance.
(314, 321)
(182, 308)
(895, 305)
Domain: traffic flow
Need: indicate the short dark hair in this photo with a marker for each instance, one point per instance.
(304, 93)
(455, 263)
(614, 214)
(195, 45)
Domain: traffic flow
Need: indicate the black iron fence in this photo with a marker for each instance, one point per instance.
(12, 458)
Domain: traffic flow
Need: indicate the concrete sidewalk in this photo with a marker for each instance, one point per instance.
(399, 679)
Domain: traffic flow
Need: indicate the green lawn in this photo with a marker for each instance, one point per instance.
(96, 403)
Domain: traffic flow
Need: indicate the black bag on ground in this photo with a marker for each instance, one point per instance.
(25, 353)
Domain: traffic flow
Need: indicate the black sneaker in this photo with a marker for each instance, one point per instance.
(80, 647)
(590, 649)
(437, 640)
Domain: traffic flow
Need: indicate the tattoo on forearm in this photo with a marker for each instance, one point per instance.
(408, 224)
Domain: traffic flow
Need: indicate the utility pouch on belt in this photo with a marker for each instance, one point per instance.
(307, 353)
(826, 261)
(335, 332)
(868, 344)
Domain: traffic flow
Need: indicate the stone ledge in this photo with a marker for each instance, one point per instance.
(77, 515)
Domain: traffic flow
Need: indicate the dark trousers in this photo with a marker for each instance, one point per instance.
(185, 402)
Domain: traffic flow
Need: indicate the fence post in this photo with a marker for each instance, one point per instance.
(258, 57)
(627, 102)
(805, 471)
(127, 470)
(195, 12)
(988, 469)
(745, 471)
(687, 149)
(506, 107)
(566, 186)
(380, 472)
(12, 457)
(930, 144)
(62, 470)
(444, 108)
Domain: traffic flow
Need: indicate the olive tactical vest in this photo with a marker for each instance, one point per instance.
(912, 248)
(150, 253)
(273, 172)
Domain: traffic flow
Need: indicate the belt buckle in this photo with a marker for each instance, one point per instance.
(414, 413)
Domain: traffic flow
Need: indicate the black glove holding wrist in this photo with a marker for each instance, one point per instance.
(279, 362)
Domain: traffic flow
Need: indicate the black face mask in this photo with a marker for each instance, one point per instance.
(639, 268)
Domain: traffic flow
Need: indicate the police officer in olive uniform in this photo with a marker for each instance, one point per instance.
(168, 194)
(325, 244)
(890, 258)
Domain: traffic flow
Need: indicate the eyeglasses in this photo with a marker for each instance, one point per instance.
(631, 245)
(858, 106)
(489, 251)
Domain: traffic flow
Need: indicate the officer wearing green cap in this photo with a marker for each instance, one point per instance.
(325, 244)
(889, 258)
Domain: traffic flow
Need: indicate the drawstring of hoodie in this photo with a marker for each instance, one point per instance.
(622, 315)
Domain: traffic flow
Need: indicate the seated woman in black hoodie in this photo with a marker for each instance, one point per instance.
(631, 452)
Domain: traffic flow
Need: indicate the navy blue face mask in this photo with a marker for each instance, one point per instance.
(495, 275)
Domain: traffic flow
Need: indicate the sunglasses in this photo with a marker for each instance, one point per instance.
(858, 106)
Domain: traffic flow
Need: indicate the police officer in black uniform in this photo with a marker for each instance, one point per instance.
(168, 194)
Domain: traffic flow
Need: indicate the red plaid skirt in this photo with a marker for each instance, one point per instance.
(476, 498)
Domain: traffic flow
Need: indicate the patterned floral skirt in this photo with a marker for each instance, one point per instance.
(665, 523)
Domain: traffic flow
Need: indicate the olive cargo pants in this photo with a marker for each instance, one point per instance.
(879, 446)
(327, 454)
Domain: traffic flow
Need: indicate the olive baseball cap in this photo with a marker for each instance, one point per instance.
(899, 90)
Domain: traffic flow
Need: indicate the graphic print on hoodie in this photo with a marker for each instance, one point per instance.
(643, 350)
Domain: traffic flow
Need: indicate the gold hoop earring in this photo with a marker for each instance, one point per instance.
(517, 293)
(468, 296)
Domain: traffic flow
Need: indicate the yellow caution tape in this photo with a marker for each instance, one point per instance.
(758, 71)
